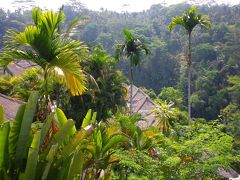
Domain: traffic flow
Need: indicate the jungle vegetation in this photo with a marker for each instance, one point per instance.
(84, 59)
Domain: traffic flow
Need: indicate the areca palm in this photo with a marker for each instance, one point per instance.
(189, 20)
(43, 44)
(132, 48)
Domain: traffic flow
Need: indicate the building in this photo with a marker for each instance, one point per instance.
(10, 106)
(142, 104)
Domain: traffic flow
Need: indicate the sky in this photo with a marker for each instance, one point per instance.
(115, 5)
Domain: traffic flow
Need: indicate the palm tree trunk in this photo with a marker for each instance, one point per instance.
(131, 89)
(189, 77)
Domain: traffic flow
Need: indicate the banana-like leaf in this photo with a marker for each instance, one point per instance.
(75, 141)
(113, 141)
(25, 128)
(62, 119)
(64, 133)
(98, 140)
(94, 117)
(50, 158)
(87, 119)
(33, 157)
(4, 132)
(76, 166)
(14, 131)
(1, 115)
(46, 127)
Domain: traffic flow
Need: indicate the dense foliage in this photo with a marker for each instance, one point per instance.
(104, 141)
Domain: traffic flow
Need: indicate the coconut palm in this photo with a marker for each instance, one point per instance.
(189, 20)
(132, 48)
(45, 45)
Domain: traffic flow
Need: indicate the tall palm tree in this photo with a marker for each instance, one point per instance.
(189, 20)
(44, 44)
(132, 48)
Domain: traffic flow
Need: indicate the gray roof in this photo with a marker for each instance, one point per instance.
(230, 173)
(18, 67)
(10, 106)
(142, 104)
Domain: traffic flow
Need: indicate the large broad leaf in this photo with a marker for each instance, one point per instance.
(87, 119)
(33, 157)
(75, 141)
(64, 133)
(4, 132)
(50, 158)
(25, 128)
(62, 119)
(94, 118)
(14, 132)
(45, 128)
(114, 141)
(76, 166)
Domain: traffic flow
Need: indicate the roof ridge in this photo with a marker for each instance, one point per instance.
(146, 96)
(142, 104)
(12, 99)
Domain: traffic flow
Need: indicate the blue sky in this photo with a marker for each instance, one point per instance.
(116, 5)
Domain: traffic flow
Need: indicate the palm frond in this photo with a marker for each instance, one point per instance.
(127, 35)
(178, 20)
(18, 55)
(72, 73)
(189, 20)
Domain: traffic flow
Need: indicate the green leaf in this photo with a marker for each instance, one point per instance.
(99, 140)
(50, 158)
(33, 157)
(15, 131)
(25, 128)
(76, 166)
(87, 119)
(64, 133)
(4, 132)
(74, 142)
(94, 117)
(62, 119)
(46, 127)
(113, 141)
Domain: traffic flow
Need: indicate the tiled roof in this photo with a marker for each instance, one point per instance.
(230, 174)
(142, 104)
(10, 106)
(18, 67)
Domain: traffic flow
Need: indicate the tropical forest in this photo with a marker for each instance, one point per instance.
(88, 95)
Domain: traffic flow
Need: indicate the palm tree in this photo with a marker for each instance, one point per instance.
(132, 48)
(44, 44)
(163, 113)
(189, 20)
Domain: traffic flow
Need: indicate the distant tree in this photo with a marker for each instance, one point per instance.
(189, 20)
(132, 48)
(170, 94)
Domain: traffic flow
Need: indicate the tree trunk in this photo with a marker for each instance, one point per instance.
(189, 77)
(131, 89)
